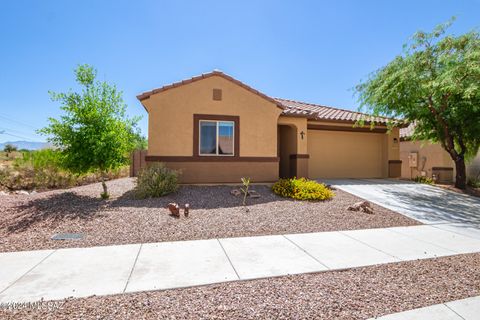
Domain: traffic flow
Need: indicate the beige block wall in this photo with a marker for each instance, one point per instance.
(170, 131)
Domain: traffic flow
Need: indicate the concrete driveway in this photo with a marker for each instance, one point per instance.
(425, 203)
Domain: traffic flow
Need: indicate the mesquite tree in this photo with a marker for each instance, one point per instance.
(94, 133)
(435, 84)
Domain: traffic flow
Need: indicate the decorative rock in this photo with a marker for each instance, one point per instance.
(364, 206)
(254, 194)
(3, 193)
(235, 192)
(174, 209)
(186, 210)
(22, 192)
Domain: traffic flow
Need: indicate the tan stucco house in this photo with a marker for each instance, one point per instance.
(217, 129)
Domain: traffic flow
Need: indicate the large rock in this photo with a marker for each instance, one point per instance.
(364, 206)
(235, 192)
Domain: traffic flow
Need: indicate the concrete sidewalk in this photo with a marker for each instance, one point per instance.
(465, 309)
(80, 272)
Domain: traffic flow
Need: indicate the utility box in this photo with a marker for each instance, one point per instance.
(413, 159)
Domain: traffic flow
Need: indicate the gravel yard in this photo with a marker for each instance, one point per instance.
(352, 294)
(28, 221)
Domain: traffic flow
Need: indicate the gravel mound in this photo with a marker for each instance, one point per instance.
(27, 222)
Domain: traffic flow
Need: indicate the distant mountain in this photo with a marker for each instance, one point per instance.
(29, 145)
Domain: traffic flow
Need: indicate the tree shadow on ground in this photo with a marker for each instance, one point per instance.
(440, 205)
(55, 208)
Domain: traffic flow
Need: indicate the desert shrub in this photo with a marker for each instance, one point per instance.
(302, 189)
(425, 180)
(156, 180)
(40, 169)
(43, 169)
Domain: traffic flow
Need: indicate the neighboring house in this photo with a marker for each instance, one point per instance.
(431, 159)
(217, 129)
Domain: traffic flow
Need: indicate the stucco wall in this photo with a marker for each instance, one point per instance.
(225, 172)
(171, 113)
(473, 167)
(435, 156)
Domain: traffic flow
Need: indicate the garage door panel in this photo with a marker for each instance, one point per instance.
(339, 154)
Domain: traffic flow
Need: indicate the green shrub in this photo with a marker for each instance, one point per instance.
(156, 180)
(42, 169)
(302, 189)
(425, 180)
(474, 182)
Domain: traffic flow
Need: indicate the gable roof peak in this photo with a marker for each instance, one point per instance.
(214, 72)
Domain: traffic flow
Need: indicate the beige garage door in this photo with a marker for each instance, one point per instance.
(341, 154)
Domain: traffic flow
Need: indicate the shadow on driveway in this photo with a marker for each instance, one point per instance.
(428, 204)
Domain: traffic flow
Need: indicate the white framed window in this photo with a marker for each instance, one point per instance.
(216, 138)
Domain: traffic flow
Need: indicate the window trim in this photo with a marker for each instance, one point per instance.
(217, 127)
(218, 118)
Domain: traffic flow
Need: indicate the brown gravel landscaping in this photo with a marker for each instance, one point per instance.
(28, 221)
(358, 293)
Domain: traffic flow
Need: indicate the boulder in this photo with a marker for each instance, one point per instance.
(253, 194)
(235, 192)
(364, 206)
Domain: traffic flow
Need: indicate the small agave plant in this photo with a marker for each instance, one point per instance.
(244, 189)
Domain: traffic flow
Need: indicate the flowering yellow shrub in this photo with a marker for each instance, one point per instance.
(302, 189)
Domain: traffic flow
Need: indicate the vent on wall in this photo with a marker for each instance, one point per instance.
(217, 94)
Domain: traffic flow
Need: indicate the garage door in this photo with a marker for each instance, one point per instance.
(342, 154)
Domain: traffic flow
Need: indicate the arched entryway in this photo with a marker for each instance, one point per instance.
(287, 146)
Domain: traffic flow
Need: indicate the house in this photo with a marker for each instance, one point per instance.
(217, 129)
(423, 158)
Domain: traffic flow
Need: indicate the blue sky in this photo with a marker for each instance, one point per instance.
(313, 51)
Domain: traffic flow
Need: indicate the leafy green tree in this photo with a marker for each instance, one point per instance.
(9, 148)
(94, 133)
(141, 142)
(435, 84)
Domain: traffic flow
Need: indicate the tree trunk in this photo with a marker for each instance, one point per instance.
(461, 176)
(104, 185)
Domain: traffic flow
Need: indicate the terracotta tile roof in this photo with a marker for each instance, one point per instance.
(289, 107)
(147, 94)
(320, 112)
